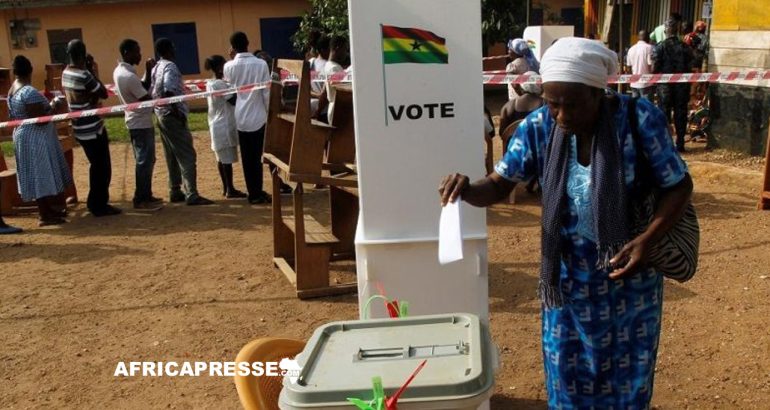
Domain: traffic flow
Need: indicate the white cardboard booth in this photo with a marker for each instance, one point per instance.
(540, 38)
(416, 122)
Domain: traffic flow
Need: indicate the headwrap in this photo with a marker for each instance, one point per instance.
(520, 47)
(579, 60)
(532, 87)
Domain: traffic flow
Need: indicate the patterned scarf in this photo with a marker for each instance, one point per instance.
(608, 202)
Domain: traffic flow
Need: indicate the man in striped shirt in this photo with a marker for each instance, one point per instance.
(83, 91)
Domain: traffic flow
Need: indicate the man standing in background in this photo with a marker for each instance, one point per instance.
(131, 89)
(673, 56)
(250, 113)
(639, 58)
(83, 91)
(172, 120)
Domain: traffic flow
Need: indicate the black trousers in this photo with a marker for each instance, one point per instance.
(99, 173)
(251, 144)
(675, 97)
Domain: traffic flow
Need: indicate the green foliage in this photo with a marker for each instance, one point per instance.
(502, 20)
(329, 17)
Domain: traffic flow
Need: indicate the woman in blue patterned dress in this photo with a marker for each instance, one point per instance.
(41, 169)
(601, 304)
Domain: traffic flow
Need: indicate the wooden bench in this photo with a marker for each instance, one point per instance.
(295, 146)
(9, 194)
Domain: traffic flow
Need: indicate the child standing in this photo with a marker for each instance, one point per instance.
(221, 118)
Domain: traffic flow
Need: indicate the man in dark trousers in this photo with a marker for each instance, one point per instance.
(250, 113)
(130, 89)
(83, 91)
(175, 134)
(673, 56)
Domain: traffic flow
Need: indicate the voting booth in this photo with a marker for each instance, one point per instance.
(540, 38)
(419, 111)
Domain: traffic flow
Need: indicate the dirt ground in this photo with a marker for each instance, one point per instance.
(197, 283)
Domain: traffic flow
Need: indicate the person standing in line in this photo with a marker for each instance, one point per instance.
(250, 113)
(639, 58)
(83, 91)
(175, 134)
(41, 170)
(131, 89)
(673, 56)
(221, 119)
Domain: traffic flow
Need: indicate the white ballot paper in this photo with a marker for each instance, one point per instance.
(450, 234)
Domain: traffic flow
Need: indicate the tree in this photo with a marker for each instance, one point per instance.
(329, 17)
(500, 20)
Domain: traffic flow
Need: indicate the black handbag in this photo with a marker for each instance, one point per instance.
(676, 253)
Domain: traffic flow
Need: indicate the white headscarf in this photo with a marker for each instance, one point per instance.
(578, 60)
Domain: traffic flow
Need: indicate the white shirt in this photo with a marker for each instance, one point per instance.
(331, 92)
(251, 106)
(639, 57)
(317, 64)
(129, 88)
(221, 118)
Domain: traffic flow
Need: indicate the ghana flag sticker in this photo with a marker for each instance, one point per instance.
(412, 45)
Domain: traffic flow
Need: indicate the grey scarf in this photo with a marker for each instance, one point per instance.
(608, 202)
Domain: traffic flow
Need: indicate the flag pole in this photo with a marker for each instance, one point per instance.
(384, 77)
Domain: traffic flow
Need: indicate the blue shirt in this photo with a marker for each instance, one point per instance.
(524, 158)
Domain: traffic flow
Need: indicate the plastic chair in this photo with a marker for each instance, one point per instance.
(261, 393)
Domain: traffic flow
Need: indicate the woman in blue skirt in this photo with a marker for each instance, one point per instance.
(41, 169)
(601, 304)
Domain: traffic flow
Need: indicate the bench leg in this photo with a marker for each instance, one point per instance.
(71, 192)
(312, 266)
(283, 237)
(8, 195)
(344, 217)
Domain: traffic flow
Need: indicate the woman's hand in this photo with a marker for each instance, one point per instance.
(452, 186)
(632, 258)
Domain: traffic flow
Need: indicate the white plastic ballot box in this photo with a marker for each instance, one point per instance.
(341, 358)
(419, 108)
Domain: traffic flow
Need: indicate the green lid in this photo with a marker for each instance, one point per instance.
(341, 358)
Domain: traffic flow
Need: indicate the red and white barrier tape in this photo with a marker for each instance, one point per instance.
(500, 77)
(133, 106)
(196, 86)
(489, 77)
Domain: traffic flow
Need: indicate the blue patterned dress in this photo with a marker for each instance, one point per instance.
(599, 350)
(41, 169)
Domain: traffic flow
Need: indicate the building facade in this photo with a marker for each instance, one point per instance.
(740, 41)
(40, 30)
